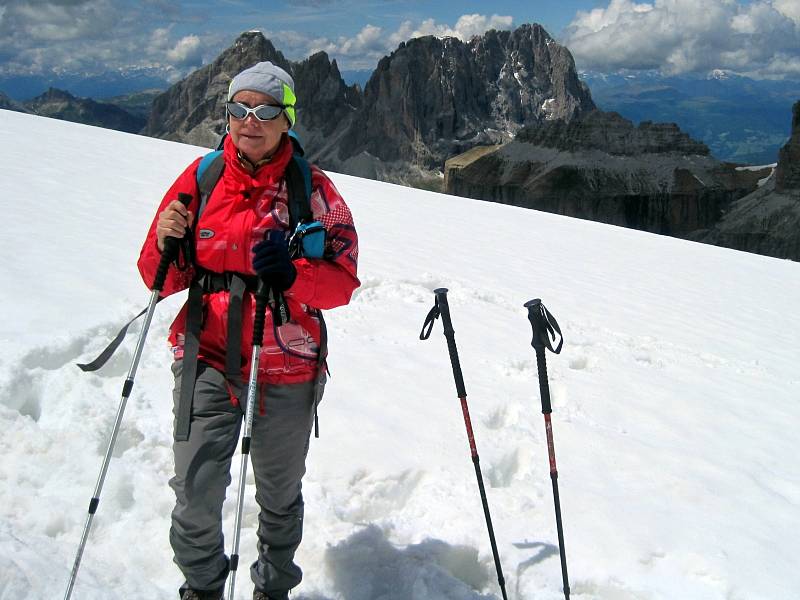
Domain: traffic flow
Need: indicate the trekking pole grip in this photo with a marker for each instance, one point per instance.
(539, 343)
(535, 317)
(450, 334)
(170, 250)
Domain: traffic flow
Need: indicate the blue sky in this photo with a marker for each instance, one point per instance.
(170, 38)
(348, 17)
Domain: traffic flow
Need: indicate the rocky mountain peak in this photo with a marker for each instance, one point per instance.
(536, 77)
(324, 101)
(59, 104)
(248, 49)
(193, 110)
(436, 97)
(53, 95)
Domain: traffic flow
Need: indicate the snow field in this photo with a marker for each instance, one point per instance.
(674, 399)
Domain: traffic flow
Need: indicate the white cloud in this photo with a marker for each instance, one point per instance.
(91, 36)
(372, 43)
(44, 22)
(187, 52)
(465, 28)
(788, 8)
(368, 40)
(680, 36)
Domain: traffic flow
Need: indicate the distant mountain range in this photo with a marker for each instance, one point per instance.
(106, 85)
(58, 104)
(740, 119)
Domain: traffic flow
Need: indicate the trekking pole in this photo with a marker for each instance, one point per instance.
(442, 308)
(543, 323)
(169, 253)
(262, 298)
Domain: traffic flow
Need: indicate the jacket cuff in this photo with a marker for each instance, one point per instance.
(305, 283)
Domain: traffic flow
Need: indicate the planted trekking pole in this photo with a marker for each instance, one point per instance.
(544, 327)
(262, 298)
(170, 252)
(442, 308)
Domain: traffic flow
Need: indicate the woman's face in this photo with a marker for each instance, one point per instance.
(256, 139)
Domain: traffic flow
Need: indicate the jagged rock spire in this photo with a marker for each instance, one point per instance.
(787, 173)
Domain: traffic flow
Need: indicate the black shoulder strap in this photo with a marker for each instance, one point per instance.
(298, 179)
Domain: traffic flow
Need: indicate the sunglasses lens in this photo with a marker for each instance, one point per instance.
(236, 110)
(267, 112)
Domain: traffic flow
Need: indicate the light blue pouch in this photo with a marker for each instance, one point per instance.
(309, 239)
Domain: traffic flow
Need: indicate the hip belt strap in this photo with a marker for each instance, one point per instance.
(210, 282)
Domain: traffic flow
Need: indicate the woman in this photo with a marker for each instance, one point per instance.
(250, 200)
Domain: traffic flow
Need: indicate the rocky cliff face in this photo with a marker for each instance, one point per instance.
(611, 133)
(324, 101)
(787, 173)
(326, 107)
(433, 98)
(768, 220)
(58, 104)
(430, 99)
(603, 168)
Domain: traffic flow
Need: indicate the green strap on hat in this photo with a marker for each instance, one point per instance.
(289, 100)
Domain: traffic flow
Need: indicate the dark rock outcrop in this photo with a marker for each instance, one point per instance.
(324, 100)
(787, 173)
(768, 220)
(610, 132)
(59, 104)
(603, 168)
(7, 103)
(326, 107)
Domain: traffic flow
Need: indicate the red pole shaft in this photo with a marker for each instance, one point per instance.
(551, 449)
(473, 449)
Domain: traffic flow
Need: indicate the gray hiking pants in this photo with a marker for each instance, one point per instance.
(278, 450)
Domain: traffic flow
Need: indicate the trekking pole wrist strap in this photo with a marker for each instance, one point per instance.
(544, 326)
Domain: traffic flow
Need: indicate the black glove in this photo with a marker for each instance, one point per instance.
(272, 263)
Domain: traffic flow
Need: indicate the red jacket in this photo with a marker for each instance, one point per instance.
(242, 207)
